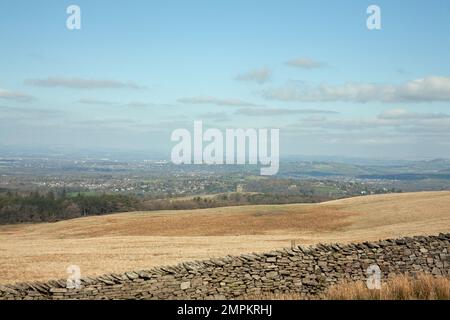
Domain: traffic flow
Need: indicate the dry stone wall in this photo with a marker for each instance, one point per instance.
(307, 271)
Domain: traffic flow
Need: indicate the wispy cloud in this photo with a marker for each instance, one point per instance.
(427, 89)
(392, 121)
(217, 101)
(24, 111)
(215, 116)
(304, 63)
(403, 114)
(141, 104)
(108, 122)
(259, 76)
(15, 95)
(95, 101)
(269, 112)
(164, 126)
(82, 83)
(345, 124)
(132, 104)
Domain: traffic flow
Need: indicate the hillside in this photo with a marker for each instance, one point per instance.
(127, 241)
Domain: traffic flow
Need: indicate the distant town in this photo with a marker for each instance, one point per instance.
(161, 179)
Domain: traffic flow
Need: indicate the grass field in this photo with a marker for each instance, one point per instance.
(400, 287)
(139, 240)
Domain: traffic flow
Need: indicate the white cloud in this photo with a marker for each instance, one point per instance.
(259, 76)
(21, 114)
(345, 124)
(217, 101)
(427, 89)
(81, 83)
(141, 104)
(403, 114)
(304, 63)
(269, 112)
(15, 95)
(95, 101)
(132, 104)
(107, 122)
(395, 121)
(215, 116)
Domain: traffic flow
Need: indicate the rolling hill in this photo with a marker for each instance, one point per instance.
(139, 240)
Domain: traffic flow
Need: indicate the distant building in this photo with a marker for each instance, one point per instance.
(240, 188)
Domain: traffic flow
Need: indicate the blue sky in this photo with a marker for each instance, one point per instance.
(139, 69)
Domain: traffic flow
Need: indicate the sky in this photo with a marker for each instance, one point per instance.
(137, 70)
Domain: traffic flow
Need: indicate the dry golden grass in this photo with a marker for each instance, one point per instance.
(139, 240)
(421, 287)
(401, 287)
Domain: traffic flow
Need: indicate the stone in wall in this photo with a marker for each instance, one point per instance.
(304, 270)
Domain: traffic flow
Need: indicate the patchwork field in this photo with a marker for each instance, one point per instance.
(139, 240)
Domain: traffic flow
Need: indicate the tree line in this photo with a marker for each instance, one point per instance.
(50, 207)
